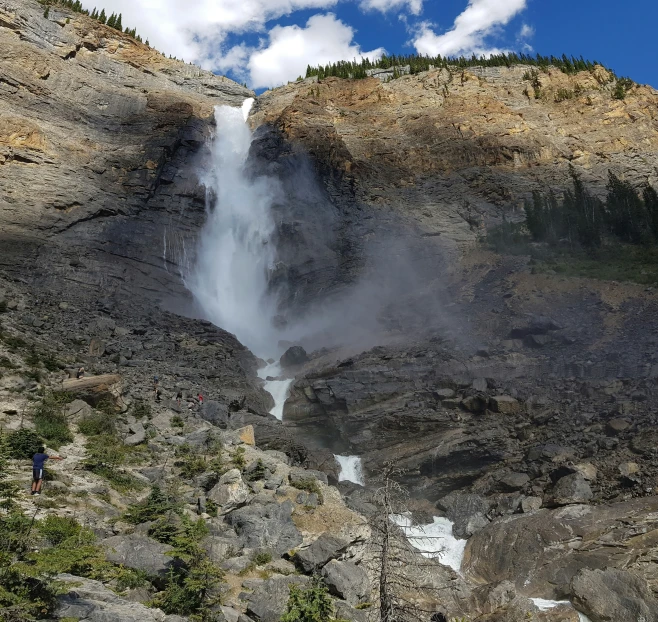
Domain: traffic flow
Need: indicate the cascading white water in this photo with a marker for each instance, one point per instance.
(278, 389)
(433, 540)
(350, 469)
(235, 253)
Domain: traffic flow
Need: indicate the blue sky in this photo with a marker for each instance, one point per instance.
(267, 42)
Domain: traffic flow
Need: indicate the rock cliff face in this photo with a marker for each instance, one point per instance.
(520, 405)
(98, 136)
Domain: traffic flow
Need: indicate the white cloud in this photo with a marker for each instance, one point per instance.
(195, 29)
(526, 32)
(415, 7)
(480, 19)
(325, 39)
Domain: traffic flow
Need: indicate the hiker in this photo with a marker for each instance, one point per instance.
(81, 373)
(158, 395)
(179, 397)
(200, 399)
(38, 463)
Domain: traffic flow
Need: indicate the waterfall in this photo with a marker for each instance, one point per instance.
(350, 469)
(235, 252)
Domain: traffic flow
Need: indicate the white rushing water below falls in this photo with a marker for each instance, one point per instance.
(544, 605)
(434, 540)
(278, 389)
(350, 469)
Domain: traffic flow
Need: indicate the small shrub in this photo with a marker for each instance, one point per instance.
(262, 558)
(238, 459)
(211, 508)
(50, 362)
(13, 343)
(164, 530)
(6, 363)
(258, 472)
(32, 358)
(105, 455)
(50, 422)
(177, 422)
(24, 443)
(310, 485)
(97, 424)
(563, 95)
(155, 506)
(57, 529)
(141, 409)
(192, 466)
(312, 603)
(129, 579)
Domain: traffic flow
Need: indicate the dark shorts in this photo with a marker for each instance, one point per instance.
(37, 474)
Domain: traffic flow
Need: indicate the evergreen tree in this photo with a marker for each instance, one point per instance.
(650, 197)
(117, 24)
(112, 20)
(102, 18)
(626, 212)
(94, 14)
(46, 13)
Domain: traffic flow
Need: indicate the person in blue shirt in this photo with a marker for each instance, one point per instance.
(38, 464)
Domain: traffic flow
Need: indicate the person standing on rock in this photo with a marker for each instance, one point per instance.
(81, 373)
(179, 397)
(38, 465)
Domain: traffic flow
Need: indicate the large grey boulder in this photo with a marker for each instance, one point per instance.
(138, 552)
(347, 581)
(314, 557)
(89, 600)
(299, 476)
(268, 601)
(572, 489)
(266, 526)
(231, 492)
(612, 595)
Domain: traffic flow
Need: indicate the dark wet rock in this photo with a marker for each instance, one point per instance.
(293, 357)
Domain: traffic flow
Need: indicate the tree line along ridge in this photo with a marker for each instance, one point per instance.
(113, 21)
(417, 63)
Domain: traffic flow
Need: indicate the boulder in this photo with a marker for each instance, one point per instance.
(505, 405)
(268, 601)
(94, 389)
(138, 552)
(538, 325)
(301, 476)
(266, 526)
(531, 504)
(347, 581)
(444, 394)
(617, 426)
(536, 341)
(345, 612)
(220, 548)
(467, 512)
(587, 470)
(628, 469)
(475, 403)
(77, 410)
(613, 595)
(325, 548)
(296, 355)
(479, 384)
(571, 489)
(231, 492)
(513, 481)
(215, 413)
(91, 600)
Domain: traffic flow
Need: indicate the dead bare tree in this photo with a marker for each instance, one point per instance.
(410, 586)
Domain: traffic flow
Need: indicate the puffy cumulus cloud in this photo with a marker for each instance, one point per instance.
(414, 7)
(526, 32)
(324, 39)
(195, 29)
(480, 19)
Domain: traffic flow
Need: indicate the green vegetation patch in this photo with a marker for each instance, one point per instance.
(49, 419)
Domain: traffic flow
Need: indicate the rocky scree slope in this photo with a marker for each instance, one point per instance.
(98, 139)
